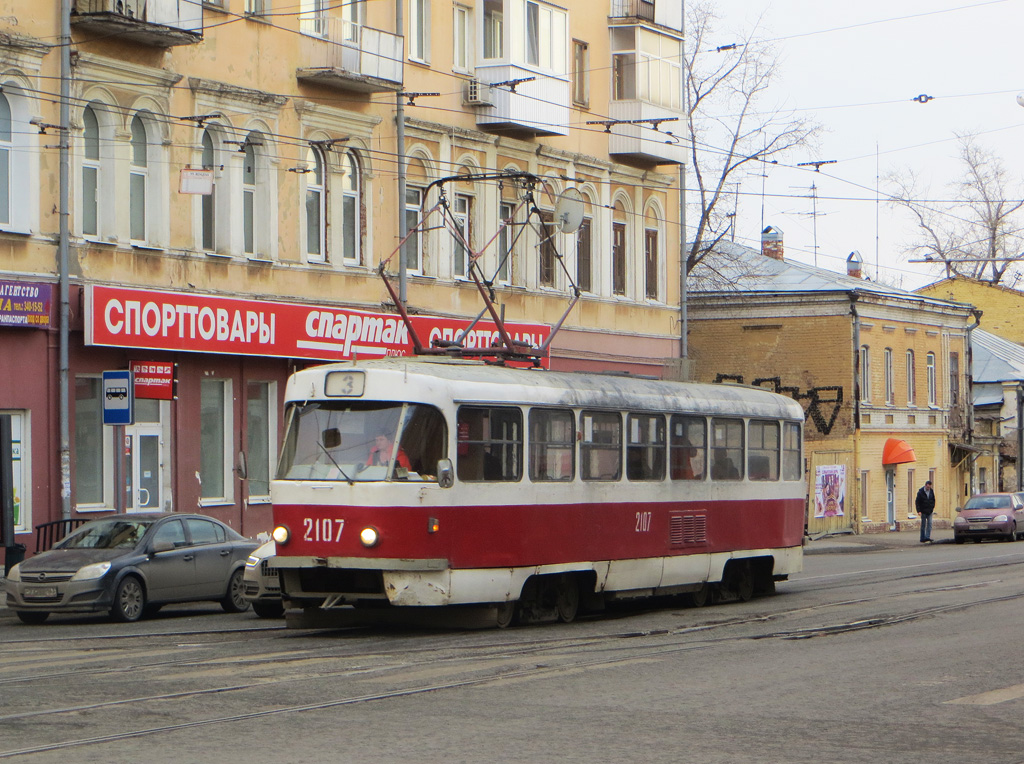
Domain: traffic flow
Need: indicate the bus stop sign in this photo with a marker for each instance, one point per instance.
(118, 397)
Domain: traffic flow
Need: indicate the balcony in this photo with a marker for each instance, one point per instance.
(642, 10)
(348, 56)
(641, 143)
(538, 106)
(664, 13)
(161, 23)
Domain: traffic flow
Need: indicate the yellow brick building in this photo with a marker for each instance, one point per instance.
(870, 364)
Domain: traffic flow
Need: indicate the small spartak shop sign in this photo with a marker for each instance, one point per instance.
(176, 321)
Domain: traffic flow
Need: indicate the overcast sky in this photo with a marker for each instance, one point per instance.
(856, 71)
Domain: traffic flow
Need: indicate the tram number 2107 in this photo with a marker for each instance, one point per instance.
(322, 528)
(643, 522)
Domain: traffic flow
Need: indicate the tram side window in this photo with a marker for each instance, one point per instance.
(688, 448)
(645, 447)
(726, 449)
(552, 445)
(791, 466)
(763, 450)
(490, 443)
(601, 445)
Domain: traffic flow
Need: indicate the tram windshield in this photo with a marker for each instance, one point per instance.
(359, 441)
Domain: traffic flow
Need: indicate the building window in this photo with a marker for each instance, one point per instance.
(316, 207)
(545, 37)
(494, 29)
(257, 7)
(865, 374)
(865, 494)
(646, 67)
(580, 73)
(261, 436)
(584, 256)
(419, 30)
(462, 212)
(645, 447)
(552, 445)
(651, 263)
(249, 211)
(352, 210)
(548, 249)
(209, 201)
(618, 257)
(462, 55)
(21, 470)
(890, 391)
(313, 17)
(138, 187)
(911, 494)
(932, 386)
(19, 162)
(911, 379)
(414, 241)
(215, 440)
(506, 237)
(91, 170)
(954, 379)
(982, 480)
(688, 448)
(6, 150)
(92, 454)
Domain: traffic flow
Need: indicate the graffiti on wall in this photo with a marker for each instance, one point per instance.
(821, 404)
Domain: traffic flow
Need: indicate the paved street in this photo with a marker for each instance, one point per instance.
(917, 631)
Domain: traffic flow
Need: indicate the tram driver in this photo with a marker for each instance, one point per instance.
(382, 450)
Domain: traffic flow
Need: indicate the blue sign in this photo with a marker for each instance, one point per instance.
(118, 397)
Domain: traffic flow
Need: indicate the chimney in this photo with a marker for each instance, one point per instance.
(771, 243)
(854, 265)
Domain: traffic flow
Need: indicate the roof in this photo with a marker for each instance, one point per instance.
(994, 359)
(735, 267)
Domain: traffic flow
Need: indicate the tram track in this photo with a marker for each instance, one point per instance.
(502, 661)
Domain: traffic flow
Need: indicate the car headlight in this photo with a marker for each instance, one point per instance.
(252, 561)
(369, 537)
(89, 572)
(960, 521)
(14, 574)
(1001, 518)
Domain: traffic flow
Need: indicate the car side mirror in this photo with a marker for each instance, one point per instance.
(959, 509)
(445, 473)
(163, 546)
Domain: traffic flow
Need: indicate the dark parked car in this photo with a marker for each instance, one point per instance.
(130, 565)
(990, 515)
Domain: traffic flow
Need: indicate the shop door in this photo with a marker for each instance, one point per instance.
(143, 451)
(890, 497)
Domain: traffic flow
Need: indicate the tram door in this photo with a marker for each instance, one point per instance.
(143, 459)
(890, 497)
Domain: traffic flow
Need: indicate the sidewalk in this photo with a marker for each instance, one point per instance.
(871, 542)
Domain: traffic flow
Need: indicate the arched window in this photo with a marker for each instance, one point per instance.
(351, 210)
(91, 172)
(6, 149)
(209, 201)
(890, 387)
(652, 254)
(316, 207)
(911, 379)
(138, 185)
(865, 373)
(249, 199)
(933, 393)
(620, 239)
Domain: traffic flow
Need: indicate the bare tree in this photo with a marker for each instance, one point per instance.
(730, 132)
(980, 234)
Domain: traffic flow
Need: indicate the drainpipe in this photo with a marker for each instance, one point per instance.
(65, 299)
(403, 230)
(854, 296)
(684, 351)
(969, 400)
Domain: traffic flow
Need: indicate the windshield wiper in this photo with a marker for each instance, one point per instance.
(324, 449)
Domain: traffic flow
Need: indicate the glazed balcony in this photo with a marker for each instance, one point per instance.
(160, 23)
(348, 56)
(640, 143)
(537, 104)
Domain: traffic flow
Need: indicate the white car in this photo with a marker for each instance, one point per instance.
(260, 583)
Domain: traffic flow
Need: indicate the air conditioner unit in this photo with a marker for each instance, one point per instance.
(477, 93)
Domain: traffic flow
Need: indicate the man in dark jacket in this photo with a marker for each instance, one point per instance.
(925, 504)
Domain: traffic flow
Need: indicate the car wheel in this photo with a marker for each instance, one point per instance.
(32, 617)
(268, 609)
(129, 600)
(1013, 534)
(234, 601)
(958, 539)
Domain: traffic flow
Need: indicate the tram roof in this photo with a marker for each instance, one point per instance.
(433, 380)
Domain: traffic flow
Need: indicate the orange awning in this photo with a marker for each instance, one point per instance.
(897, 452)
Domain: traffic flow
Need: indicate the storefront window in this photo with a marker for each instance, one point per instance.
(260, 435)
(214, 427)
(88, 454)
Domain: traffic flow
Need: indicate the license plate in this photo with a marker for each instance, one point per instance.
(40, 592)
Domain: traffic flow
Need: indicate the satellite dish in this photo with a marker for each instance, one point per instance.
(569, 210)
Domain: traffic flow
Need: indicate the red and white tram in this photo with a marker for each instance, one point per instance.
(528, 491)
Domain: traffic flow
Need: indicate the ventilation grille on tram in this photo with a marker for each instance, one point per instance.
(688, 529)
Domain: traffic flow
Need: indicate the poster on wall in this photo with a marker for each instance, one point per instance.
(830, 490)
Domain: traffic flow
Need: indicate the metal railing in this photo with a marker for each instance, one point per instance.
(48, 534)
(633, 9)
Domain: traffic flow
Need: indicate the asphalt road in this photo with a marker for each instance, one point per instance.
(897, 653)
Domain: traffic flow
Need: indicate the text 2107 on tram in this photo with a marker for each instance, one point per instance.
(439, 483)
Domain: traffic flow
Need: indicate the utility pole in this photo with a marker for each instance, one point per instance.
(403, 230)
(65, 299)
(684, 351)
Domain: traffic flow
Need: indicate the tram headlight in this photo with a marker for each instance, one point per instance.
(281, 534)
(369, 537)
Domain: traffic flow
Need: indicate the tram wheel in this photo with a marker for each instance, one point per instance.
(506, 614)
(700, 597)
(567, 601)
(744, 583)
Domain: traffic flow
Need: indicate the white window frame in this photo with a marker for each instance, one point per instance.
(315, 188)
(226, 446)
(414, 243)
(890, 386)
(493, 30)
(463, 36)
(271, 438)
(462, 212)
(91, 165)
(933, 390)
(418, 33)
(210, 158)
(911, 379)
(352, 198)
(550, 52)
(580, 72)
(313, 17)
(21, 437)
(21, 211)
(138, 181)
(250, 208)
(504, 272)
(865, 374)
(7, 154)
(106, 502)
(257, 7)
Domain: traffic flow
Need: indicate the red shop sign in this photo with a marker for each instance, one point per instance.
(154, 380)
